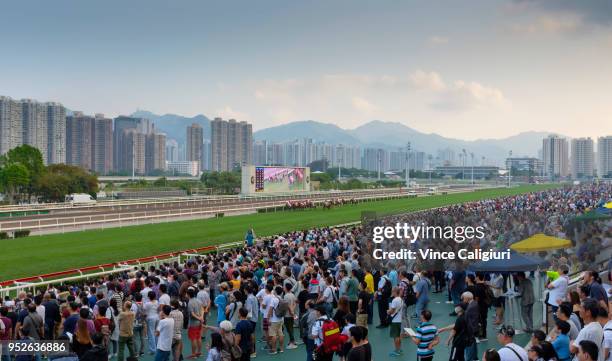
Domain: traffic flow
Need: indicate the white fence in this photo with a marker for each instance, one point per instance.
(250, 205)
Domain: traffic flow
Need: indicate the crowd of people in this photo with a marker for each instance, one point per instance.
(317, 290)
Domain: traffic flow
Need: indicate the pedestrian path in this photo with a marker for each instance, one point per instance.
(382, 344)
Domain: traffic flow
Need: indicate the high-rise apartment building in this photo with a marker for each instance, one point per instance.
(102, 153)
(11, 124)
(133, 150)
(604, 156)
(195, 139)
(206, 155)
(583, 158)
(172, 150)
(231, 144)
(124, 140)
(80, 140)
(34, 117)
(41, 125)
(56, 133)
(155, 152)
(375, 159)
(555, 153)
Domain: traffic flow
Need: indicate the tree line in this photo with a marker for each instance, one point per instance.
(25, 178)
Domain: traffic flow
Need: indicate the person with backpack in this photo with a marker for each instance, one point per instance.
(327, 335)
(383, 296)
(276, 312)
(231, 310)
(231, 350)
(408, 296)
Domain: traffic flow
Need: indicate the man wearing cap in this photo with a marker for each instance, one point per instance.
(510, 351)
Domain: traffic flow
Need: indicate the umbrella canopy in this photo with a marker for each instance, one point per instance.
(517, 263)
(540, 242)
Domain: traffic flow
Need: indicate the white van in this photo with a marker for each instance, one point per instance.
(79, 199)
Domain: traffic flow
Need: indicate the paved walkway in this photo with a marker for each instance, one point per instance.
(382, 344)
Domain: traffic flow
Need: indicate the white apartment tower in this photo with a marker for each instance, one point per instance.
(604, 156)
(555, 152)
(583, 158)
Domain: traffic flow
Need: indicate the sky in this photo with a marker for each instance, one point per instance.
(462, 69)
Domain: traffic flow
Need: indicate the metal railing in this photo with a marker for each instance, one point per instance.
(251, 205)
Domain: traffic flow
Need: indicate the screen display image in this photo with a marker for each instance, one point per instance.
(279, 179)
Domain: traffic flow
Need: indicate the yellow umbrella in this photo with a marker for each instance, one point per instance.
(540, 242)
(608, 205)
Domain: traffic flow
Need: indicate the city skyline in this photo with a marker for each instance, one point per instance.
(516, 66)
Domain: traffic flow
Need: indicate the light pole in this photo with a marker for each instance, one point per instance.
(430, 157)
(378, 160)
(464, 160)
(509, 168)
(408, 165)
(472, 156)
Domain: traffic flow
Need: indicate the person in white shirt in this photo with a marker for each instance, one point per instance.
(558, 288)
(276, 323)
(395, 312)
(592, 330)
(316, 332)
(606, 323)
(164, 298)
(510, 351)
(164, 333)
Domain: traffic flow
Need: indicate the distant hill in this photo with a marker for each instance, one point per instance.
(394, 135)
(175, 126)
(323, 132)
(377, 133)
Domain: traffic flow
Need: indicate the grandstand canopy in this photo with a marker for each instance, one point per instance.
(517, 263)
(540, 242)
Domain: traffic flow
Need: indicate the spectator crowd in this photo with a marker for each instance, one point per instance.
(318, 290)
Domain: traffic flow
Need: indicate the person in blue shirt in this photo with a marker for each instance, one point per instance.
(421, 290)
(561, 342)
(393, 276)
(249, 238)
(221, 302)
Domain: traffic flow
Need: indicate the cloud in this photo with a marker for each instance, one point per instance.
(592, 11)
(437, 40)
(551, 24)
(360, 97)
(559, 16)
(228, 113)
(460, 95)
(363, 105)
(427, 81)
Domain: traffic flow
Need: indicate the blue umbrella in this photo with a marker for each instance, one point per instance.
(518, 262)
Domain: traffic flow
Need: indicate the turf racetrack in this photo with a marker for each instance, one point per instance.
(57, 252)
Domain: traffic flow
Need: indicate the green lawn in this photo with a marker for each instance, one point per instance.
(43, 254)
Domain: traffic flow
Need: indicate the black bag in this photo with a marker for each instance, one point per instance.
(386, 289)
(409, 296)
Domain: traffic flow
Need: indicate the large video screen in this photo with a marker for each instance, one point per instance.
(279, 179)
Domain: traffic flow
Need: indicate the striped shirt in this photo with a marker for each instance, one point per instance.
(425, 334)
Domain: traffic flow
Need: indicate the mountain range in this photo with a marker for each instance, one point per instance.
(376, 133)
